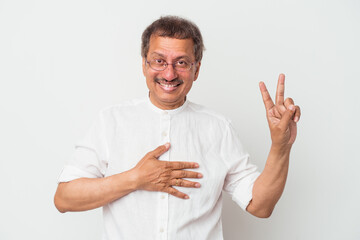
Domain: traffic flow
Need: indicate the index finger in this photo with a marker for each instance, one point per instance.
(181, 165)
(279, 99)
(266, 96)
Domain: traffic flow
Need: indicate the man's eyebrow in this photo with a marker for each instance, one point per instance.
(156, 53)
(175, 59)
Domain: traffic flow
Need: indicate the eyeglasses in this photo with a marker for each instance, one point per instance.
(161, 65)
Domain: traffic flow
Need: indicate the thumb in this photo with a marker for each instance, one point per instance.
(286, 118)
(160, 150)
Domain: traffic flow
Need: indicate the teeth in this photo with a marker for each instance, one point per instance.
(165, 85)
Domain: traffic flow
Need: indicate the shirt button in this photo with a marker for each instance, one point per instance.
(164, 134)
(161, 230)
(162, 197)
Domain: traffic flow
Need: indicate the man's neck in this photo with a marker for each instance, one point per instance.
(164, 105)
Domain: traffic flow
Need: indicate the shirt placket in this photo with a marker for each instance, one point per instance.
(164, 197)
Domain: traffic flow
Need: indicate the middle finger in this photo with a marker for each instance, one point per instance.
(279, 99)
(185, 174)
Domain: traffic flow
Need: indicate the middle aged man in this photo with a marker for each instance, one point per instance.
(173, 192)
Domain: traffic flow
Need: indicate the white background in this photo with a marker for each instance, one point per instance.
(62, 61)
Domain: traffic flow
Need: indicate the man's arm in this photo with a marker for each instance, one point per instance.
(282, 118)
(149, 174)
(89, 193)
(269, 186)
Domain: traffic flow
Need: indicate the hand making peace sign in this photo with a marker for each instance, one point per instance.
(282, 116)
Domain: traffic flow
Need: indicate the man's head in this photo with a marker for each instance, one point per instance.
(172, 50)
(173, 27)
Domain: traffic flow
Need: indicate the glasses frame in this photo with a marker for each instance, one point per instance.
(167, 64)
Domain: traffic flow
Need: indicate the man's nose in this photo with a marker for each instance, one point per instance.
(170, 73)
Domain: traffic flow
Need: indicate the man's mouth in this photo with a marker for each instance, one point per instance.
(169, 86)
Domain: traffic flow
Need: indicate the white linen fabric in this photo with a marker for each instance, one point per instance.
(124, 133)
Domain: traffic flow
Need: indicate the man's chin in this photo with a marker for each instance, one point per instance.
(168, 101)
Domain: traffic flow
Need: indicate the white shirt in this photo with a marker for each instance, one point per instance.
(124, 133)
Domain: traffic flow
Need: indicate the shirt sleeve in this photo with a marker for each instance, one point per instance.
(89, 160)
(241, 173)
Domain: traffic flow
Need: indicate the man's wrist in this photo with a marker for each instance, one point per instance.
(124, 182)
(280, 149)
(133, 179)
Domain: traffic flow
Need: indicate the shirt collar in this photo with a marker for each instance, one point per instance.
(171, 111)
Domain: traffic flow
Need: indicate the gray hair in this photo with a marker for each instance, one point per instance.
(173, 27)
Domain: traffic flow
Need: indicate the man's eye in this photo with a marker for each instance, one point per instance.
(159, 61)
(182, 63)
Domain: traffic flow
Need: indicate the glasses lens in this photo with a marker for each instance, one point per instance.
(182, 65)
(160, 65)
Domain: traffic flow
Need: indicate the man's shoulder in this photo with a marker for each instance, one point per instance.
(127, 105)
(208, 113)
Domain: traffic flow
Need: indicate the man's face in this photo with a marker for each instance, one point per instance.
(168, 88)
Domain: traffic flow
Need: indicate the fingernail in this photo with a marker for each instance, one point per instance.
(197, 185)
(186, 197)
(292, 107)
(167, 145)
(296, 119)
(200, 175)
(196, 165)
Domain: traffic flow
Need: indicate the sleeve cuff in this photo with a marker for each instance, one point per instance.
(243, 191)
(70, 173)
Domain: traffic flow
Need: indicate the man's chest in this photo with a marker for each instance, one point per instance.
(190, 142)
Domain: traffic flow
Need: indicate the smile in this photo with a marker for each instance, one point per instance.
(168, 86)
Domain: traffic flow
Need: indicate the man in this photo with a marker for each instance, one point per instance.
(149, 191)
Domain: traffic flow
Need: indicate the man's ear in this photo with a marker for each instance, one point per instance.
(197, 70)
(144, 66)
